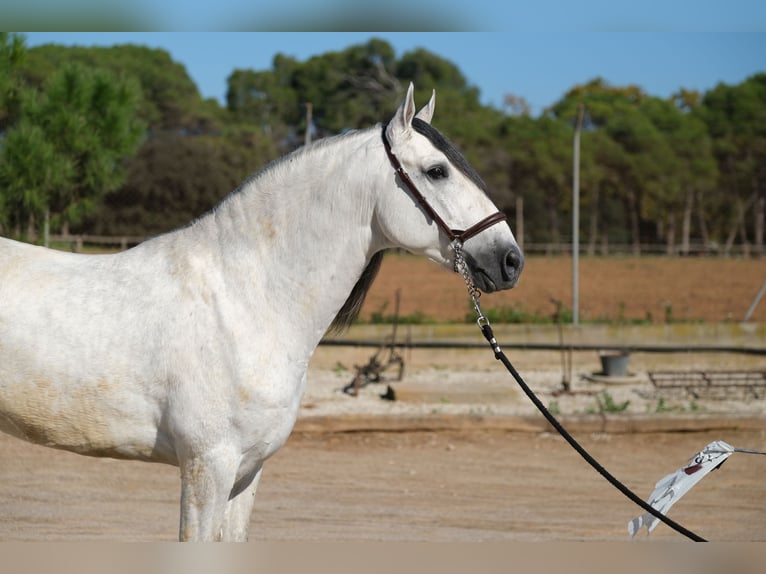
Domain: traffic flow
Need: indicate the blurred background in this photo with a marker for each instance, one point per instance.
(112, 137)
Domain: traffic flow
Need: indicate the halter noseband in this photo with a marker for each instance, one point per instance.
(460, 235)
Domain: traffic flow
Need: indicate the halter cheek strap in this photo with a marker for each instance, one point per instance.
(460, 235)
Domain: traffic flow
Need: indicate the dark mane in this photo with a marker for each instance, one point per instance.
(350, 310)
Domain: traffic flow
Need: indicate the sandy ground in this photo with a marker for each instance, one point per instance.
(464, 458)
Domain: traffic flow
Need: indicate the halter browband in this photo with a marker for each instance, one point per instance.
(460, 235)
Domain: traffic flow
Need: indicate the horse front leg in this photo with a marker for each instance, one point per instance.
(206, 483)
(240, 508)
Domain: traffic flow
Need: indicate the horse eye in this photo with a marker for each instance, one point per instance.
(437, 172)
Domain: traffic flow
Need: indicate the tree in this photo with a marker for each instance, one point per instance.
(175, 178)
(30, 169)
(516, 105)
(648, 165)
(170, 100)
(355, 87)
(639, 160)
(264, 99)
(539, 171)
(736, 120)
(347, 89)
(12, 54)
(690, 168)
(83, 124)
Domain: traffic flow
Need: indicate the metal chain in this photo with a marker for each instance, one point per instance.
(461, 267)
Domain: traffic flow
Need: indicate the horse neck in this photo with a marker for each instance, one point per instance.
(297, 236)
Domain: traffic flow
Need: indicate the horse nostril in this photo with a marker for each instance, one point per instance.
(514, 262)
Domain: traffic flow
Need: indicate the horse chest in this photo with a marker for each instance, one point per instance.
(267, 413)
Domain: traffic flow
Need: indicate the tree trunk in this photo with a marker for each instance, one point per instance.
(686, 224)
(634, 221)
(743, 230)
(739, 227)
(553, 221)
(759, 208)
(593, 222)
(31, 234)
(520, 222)
(670, 237)
(47, 228)
(604, 244)
(702, 223)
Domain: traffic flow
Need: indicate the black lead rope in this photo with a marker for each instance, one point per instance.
(486, 329)
(461, 267)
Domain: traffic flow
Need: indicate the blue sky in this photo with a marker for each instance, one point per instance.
(537, 65)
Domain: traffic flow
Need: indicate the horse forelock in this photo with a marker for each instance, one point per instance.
(445, 146)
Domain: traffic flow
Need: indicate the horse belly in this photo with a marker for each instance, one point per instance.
(76, 371)
(89, 399)
(92, 419)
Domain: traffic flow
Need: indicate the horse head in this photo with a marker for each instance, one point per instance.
(439, 200)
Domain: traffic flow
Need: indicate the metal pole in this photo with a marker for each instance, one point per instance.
(576, 218)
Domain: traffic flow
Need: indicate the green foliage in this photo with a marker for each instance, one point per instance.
(84, 125)
(606, 404)
(170, 100)
(676, 170)
(172, 180)
(12, 54)
(653, 156)
(662, 407)
(347, 89)
(735, 117)
(30, 169)
(355, 87)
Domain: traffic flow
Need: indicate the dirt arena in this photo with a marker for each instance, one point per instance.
(465, 458)
(403, 486)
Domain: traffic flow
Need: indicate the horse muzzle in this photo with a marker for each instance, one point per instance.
(497, 270)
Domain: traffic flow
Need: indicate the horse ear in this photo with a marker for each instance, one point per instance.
(402, 120)
(427, 112)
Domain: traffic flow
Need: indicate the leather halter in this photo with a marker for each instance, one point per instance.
(460, 235)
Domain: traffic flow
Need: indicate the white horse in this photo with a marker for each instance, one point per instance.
(192, 348)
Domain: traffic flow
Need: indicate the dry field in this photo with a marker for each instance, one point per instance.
(688, 289)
